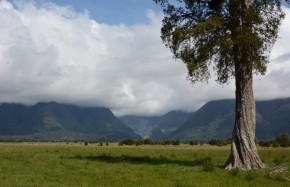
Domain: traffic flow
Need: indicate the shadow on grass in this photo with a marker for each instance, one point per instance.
(140, 160)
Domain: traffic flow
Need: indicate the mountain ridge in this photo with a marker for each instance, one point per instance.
(215, 120)
(69, 120)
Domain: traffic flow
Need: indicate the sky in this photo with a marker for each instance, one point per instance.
(109, 54)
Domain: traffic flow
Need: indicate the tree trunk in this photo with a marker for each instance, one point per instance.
(244, 153)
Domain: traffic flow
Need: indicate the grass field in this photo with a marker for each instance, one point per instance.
(74, 164)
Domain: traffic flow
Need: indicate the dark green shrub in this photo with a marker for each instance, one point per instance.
(283, 140)
(192, 142)
(127, 142)
(166, 142)
(131, 142)
(175, 142)
(265, 143)
(275, 144)
(218, 142)
(148, 141)
(138, 142)
(212, 142)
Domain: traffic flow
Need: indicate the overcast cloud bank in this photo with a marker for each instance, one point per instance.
(52, 53)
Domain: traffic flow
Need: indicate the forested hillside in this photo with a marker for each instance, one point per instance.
(54, 121)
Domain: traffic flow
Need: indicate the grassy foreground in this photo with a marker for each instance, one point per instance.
(74, 164)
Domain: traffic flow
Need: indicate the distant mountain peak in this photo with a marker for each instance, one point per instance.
(62, 121)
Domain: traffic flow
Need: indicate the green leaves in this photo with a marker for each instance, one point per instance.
(221, 33)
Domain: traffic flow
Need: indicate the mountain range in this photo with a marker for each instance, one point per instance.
(156, 127)
(214, 120)
(54, 121)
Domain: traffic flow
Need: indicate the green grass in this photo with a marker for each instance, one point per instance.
(61, 164)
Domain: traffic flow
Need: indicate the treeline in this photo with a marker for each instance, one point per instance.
(172, 142)
(148, 142)
(281, 140)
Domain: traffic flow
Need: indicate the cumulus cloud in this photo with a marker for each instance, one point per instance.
(53, 53)
(275, 84)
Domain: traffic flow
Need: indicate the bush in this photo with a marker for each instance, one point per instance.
(127, 142)
(218, 142)
(175, 142)
(192, 142)
(148, 141)
(275, 144)
(283, 140)
(165, 142)
(265, 143)
(138, 142)
(131, 142)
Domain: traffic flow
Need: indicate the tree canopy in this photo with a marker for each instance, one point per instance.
(207, 33)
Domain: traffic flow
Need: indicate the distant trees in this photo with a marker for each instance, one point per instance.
(129, 142)
(281, 139)
(193, 142)
(172, 142)
(265, 143)
(149, 142)
(219, 142)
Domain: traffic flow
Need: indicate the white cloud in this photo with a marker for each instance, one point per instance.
(275, 84)
(52, 53)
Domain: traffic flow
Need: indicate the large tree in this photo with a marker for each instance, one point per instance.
(234, 37)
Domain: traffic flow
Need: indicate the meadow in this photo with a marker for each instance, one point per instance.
(77, 164)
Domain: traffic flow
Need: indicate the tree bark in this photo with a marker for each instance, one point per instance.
(244, 153)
